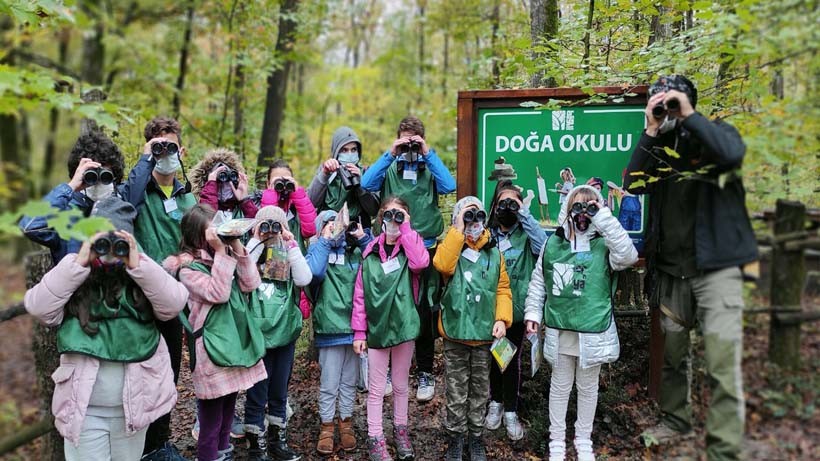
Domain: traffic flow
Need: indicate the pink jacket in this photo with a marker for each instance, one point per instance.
(149, 390)
(210, 380)
(305, 211)
(208, 195)
(417, 259)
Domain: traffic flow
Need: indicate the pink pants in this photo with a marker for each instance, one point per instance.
(377, 363)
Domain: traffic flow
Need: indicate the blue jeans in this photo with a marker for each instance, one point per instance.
(272, 391)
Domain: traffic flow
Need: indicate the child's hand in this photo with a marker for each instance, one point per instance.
(215, 173)
(532, 327)
(359, 346)
(214, 241)
(133, 258)
(499, 329)
(87, 253)
(287, 235)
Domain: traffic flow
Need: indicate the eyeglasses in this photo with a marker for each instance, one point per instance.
(393, 215)
(475, 216)
(589, 208)
(508, 204)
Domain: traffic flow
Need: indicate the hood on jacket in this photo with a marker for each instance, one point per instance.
(322, 218)
(464, 203)
(341, 137)
(564, 213)
(200, 171)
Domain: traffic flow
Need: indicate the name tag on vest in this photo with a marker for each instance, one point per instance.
(504, 245)
(170, 205)
(336, 258)
(470, 254)
(391, 265)
(410, 175)
(289, 216)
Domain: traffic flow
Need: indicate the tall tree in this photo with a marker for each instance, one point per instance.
(543, 28)
(183, 58)
(277, 88)
(495, 19)
(588, 34)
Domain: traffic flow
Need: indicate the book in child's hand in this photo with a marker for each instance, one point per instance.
(537, 352)
(503, 350)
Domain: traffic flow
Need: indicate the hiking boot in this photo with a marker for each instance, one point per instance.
(583, 450)
(347, 436)
(237, 428)
(377, 449)
(427, 387)
(167, 452)
(476, 446)
(493, 419)
(558, 450)
(279, 449)
(257, 444)
(401, 439)
(388, 386)
(515, 431)
(325, 444)
(663, 434)
(455, 447)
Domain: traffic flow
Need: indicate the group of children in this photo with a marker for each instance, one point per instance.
(378, 282)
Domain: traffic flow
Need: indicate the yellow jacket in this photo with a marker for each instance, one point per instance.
(446, 260)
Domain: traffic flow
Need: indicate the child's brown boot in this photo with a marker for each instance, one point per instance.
(325, 443)
(346, 434)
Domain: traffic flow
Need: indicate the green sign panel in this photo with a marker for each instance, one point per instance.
(548, 152)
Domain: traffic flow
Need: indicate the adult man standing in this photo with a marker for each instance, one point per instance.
(699, 235)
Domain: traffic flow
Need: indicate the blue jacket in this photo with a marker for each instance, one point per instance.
(36, 228)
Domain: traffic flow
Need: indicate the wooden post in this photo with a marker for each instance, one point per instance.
(788, 275)
(46, 358)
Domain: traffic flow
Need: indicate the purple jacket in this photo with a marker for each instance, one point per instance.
(417, 259)
(149, 390)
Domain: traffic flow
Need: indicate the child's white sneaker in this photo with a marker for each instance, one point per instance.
(558, 450)
(583, 448)
(515, 431)
(493, 419)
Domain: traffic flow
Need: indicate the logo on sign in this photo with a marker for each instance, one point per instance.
(563, 120)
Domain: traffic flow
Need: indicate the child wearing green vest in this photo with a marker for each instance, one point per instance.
(575, 276)
(115, 375)
(519, 238)
(476, 307)
(275, 309)
(220, 276)
(386, 322)
(334, 262)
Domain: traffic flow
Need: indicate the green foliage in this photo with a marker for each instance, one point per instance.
(69, 224)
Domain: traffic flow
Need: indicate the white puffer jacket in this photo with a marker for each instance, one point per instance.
(594, 348)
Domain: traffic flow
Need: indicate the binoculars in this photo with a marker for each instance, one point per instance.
(508, 204)
(412, 147)
(284, 186)
(349, 180)
(228, 175)
(660, 109)
(112, 244)
(94, 176)
(161, 148)
(475, 216)
(590, 209)
(270, 227)
(396, 216)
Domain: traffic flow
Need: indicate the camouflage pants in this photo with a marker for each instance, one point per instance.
(468, 386)
(715, 301)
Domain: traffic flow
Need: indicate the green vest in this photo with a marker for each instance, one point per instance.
(579, 286)
(469, 301)
(125, 335)
(275, 309)
(334, 306)
(420, 195)
(520, 263)
(336, 196)
(229, 334)
(158, 232)
(392, 318)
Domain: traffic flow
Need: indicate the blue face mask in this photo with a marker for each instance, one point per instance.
(348, 157)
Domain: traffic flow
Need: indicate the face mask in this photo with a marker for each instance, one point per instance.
(348, 157)
(581, 221)
(167, 165)
(473, 231)
(225, 192)
(506, 218)
(391, 229)
(99, 192)
(668, 124)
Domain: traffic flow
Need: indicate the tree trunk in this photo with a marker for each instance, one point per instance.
(787, 286)
(238, 107)
(659, 30)
(46, 358)
(64, 36)
(183, 59)
(543, 28)
(422, 4)
(277, 90)
(495, 19)
(93, 60)
(587, 34)
(445, 65)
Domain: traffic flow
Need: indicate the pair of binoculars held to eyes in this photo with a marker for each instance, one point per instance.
(94, 176)
(111, 244)
(590, 209)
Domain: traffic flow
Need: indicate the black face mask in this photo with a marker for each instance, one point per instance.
(581, 221)
(506, 218)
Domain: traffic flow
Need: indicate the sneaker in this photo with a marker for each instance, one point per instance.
(583, 449)
(476, 447)
(515, 431)
(288, 410)
(388, 387)
(237, 428)
(377, 449)
(662, 434)
(167, 452)
(195, 429)
(401, 439)
(427, 387)
(226, 454)
(558, 450)
(455, 447)
(493, 419)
